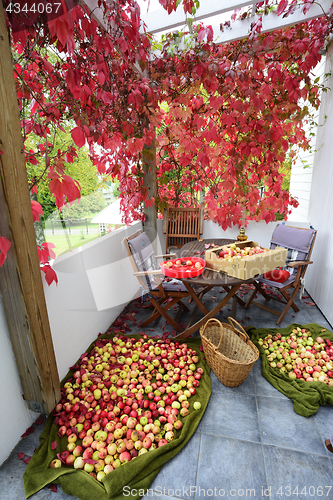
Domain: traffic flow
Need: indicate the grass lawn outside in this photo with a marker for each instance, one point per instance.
(73, 236)
(73, 226)
(67, 242)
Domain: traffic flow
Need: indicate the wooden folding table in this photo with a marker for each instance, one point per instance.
(208, 280)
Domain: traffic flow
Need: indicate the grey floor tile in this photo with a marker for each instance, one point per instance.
(247, 387)
(262, 386)
(324, 421)
(232, 415)
(29, 443)
(160, 496)
(317, 317)
(11, 483)
(179, 473)
(281, 426)
(231, 466)
(59, 495)
(266, 319)
(289, 472)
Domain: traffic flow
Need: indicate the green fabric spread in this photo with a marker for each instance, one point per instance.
(307, 396)
(136, 474)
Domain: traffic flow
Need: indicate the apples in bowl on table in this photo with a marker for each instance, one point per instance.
(232, 251)
(178, 263)
(188, 267)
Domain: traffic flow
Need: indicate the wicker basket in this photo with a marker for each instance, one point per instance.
(228, 350)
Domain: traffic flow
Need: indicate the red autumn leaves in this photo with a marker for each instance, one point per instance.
(230, 113)
(4, 247)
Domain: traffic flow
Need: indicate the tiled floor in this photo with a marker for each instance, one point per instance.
(249, 444)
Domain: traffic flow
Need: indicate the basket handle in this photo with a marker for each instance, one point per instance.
(210, 321)
(238, 328)
(220, 324)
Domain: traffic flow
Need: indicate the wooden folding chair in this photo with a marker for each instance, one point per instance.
(158, 291)
(299, 243)
(182, 225)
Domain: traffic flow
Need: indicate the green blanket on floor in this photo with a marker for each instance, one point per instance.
(307, 396)
(136, 475)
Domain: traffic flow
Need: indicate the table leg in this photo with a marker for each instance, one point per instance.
(211, 314)
(196, 298)
(195, 310)
(234, 307)
(239, 300)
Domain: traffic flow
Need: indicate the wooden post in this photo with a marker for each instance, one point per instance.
(21, 284)
(149, 180)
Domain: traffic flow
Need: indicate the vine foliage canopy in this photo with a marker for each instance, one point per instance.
(224, 118)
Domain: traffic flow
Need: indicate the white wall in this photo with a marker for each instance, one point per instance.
(256, 231)
(319, 277)
(302, 170)
(15, 416)
(95, 282)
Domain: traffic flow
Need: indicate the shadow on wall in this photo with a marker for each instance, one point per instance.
(95, 282)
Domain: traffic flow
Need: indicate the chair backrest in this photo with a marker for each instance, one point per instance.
(182, 225)
(142, 257)
(298, 241)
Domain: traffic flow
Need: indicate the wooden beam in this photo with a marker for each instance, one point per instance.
(95, 11)
(148, 153)
(98, 14)
(158, 20)
(21, 285)
(270, 22)
(149, 180)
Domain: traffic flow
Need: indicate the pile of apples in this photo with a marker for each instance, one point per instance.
(232, 251)
(300, 356)
(127, 397)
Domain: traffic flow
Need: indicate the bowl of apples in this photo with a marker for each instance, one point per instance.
(188, 267)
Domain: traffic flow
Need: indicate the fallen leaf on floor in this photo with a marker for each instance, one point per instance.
(39, 420)
(27, 460)
(53, 487)
(21, 456)
(30, 430)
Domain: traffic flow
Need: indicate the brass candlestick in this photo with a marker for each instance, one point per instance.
(242, 236)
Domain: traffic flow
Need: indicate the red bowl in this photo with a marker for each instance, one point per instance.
(183, 271)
